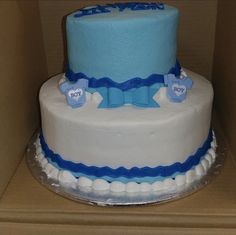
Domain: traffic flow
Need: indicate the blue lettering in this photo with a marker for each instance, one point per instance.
(133, 6)
(92, 11)
(139, 6)
(103, 9)
(159, 6)
(178, 89)
(76, 94)
(121, 6)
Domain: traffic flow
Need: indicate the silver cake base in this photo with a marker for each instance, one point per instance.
(107, 198)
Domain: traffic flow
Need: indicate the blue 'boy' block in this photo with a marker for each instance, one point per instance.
(75, 92)
(177, 87)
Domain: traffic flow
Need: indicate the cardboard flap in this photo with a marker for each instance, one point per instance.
(23, 68)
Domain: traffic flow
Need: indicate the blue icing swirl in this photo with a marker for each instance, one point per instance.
(159, 171)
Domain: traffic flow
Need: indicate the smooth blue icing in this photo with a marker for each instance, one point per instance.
(122, 44)
(135, 172)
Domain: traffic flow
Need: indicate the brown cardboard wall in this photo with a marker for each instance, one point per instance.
(29, 208)
(23, 68)
(224, 69)
(196, 44)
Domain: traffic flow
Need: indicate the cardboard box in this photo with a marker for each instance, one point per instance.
(32, 50)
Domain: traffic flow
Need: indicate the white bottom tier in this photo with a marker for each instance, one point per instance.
(128, 136)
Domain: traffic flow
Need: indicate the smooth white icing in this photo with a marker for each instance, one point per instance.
(66, 178)
(126, 136)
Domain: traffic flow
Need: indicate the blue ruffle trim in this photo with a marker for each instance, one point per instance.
(162, 171)
(124, 86)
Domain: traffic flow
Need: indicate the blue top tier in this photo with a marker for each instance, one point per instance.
(122, 41)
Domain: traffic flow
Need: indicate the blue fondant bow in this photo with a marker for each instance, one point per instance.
(134, 91)
(141, 97)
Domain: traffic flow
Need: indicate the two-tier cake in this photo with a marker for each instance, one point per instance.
(125, 117)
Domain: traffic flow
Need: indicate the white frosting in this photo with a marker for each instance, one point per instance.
(199, 170)
(205, 164)
(145, 187)
(127, 136)
(157, 186)
(180, 180)
(84, 182)
(43, 162)
(212, 153)
(132, 187)
(40, 156)
(190, 176)
(66, 178)
(38, 150)
(52, 172)
(209, 158)
(169, 183)
(100, 184)
(117, 187)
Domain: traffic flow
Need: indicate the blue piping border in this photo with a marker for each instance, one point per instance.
(127, 173)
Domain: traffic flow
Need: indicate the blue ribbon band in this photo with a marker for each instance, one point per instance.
(162, 171)
(124, 86)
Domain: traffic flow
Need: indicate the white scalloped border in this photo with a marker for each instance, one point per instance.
(65, 178)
